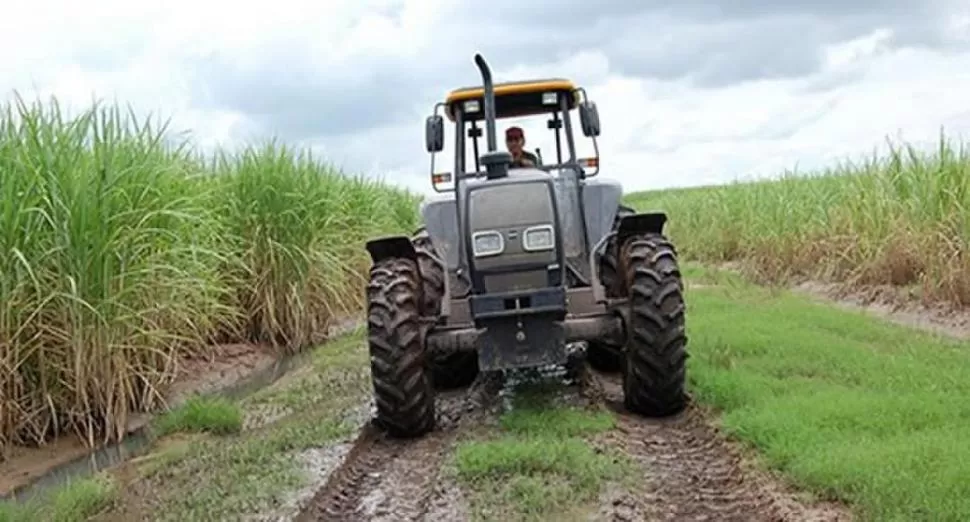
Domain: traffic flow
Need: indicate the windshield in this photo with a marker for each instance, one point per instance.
(541, 137)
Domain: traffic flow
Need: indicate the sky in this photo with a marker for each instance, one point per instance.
(690, 92)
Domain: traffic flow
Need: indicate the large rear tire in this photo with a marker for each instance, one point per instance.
(654, 377)
(402, 387)
(448, 370)
(602, 356)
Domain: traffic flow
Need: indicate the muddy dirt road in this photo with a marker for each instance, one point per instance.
(690, 473)
(686, 471)
(384, 479)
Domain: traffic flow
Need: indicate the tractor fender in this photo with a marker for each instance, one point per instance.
(641, 223)
(393, 246)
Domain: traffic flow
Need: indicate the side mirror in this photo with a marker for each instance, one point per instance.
(589, 119)
(434, 133)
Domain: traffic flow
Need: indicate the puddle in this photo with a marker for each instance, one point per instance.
(560, 379)
(139, 440)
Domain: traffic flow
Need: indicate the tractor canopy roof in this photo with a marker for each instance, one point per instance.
(512, 99)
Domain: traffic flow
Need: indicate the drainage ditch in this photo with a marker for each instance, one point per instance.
(140, 439)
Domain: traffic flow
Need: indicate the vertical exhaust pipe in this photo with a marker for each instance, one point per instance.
(489, 101)
(496, 162)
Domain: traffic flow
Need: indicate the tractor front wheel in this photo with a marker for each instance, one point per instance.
(402, 386)
(600, 355)
(448, 370)
(654, 376)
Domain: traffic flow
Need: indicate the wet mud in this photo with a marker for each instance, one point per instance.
(688, 471)
(385, 479)
(691, 472)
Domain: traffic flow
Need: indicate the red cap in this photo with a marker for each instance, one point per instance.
(514, 132)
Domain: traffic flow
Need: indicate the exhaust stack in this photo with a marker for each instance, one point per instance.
(496, 162)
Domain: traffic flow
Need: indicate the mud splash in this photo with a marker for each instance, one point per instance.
(65, 460)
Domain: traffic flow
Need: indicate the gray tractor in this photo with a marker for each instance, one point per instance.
(514, 264)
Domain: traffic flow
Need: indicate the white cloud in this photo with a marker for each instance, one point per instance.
(663, 135)
(658, 131)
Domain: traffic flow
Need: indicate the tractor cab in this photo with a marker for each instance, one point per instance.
(542, 108)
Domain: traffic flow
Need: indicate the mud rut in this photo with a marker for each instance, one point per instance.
(384, 479)
(689, 473)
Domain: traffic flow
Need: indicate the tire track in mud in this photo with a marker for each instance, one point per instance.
(385, 479)
(690, 472)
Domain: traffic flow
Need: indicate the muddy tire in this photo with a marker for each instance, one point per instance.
(432, 273)
(448, 370)
(402, 386)
(654, 377)
(603, 356)
(609, 265)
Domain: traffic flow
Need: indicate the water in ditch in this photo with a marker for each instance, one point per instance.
(140, 441)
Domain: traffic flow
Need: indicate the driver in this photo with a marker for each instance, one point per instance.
(515, 141)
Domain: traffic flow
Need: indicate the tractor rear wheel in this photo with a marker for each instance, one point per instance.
(603, 356)
(402, 387)
(654, 377)
(448, 370)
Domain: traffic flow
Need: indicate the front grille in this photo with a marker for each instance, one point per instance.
(515, 281)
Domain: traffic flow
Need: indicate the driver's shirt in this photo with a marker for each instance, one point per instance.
(526, 155)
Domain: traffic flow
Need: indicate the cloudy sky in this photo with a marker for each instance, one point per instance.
(690, 91)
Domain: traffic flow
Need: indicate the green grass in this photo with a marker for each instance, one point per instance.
(204, 477)
(122, 250)
(201, 414)
(901, 219)
(341, 368)
(556, 422)
(75, 502)
(847, 405)
(215, 479)
(533, 479)
(540, 465)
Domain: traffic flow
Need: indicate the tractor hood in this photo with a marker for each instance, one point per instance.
(513, 233)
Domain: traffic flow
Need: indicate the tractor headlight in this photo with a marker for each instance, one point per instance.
(487, 243)
(537, 238)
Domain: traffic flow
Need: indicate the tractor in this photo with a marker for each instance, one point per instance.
(512, 265)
